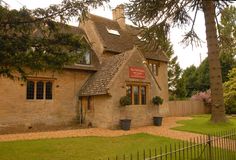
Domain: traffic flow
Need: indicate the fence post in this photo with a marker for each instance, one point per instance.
(210, 145)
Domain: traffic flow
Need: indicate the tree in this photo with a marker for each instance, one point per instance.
(227, 46)
(181, 92)
(32, 40)
(203, 79)
(159, 16)
(230, 92)
(174, 69)
(227, 31)
(189, 78)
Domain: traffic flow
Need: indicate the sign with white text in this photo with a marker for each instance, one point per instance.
(137, 72)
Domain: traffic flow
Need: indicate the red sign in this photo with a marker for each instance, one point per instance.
(136, 72)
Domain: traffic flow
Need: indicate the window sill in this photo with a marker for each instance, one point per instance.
(39, 100)
(138, 105)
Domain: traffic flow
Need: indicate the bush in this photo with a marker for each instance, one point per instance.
(230, 104)
(125, 100)
(233, 110)
(230, 110)
(203, 96)
(230, 92)
(157, 100)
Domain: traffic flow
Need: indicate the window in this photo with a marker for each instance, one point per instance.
(113, 31)
(39, 90)
(86, 58)
(150, 66)
(143, 94)
(49, 90)
(129, 92)
(137, 94)
(30, 90)
(154, 67)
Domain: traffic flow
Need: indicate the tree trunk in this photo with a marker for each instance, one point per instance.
(218, 108)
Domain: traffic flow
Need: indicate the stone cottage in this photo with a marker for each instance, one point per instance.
(90, 91)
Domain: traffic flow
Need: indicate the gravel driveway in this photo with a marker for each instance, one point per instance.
(164, 130)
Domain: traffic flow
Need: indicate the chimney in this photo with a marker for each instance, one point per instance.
(119, 15)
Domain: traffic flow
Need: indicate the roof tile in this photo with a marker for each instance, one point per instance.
(123, 42)
(98, 83)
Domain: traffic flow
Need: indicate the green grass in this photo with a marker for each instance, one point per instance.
(82, 148)
(202, 124)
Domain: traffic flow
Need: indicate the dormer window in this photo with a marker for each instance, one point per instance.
(85, 58)
(112, 31)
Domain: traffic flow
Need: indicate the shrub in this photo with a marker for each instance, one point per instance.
(230, 103)
(156, 100)
(203, 96)
(125, 100)
(230, 92)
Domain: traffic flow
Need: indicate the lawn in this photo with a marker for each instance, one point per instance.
(202, 124)
(82, 148)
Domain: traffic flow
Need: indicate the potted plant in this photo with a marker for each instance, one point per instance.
(156, 100)
(125, 123)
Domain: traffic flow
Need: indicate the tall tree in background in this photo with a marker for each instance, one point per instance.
(161, 15)
(203, 79)
(227, 30)
(227, 44)
(174, 70)
(189, 78)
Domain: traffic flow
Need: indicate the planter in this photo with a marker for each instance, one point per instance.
(125, 124)
(157, 121)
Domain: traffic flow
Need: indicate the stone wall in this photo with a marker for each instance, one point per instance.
(140, 114)
(101, 114)
(15, 109)
(162, 79)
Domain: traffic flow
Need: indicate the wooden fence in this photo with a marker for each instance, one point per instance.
(183, 108)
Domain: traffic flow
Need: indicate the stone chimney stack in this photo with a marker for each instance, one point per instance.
(119, 15)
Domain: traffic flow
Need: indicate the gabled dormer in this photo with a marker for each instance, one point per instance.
(87, 58)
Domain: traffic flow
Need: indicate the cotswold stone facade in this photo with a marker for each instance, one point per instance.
(89, 92)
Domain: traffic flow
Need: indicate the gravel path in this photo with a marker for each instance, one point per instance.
(163, 130)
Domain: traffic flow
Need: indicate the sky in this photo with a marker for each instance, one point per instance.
(187, 55)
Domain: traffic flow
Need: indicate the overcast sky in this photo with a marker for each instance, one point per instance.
(186, 55)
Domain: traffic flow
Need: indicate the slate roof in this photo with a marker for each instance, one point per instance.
(99, 82)
(123, 42)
